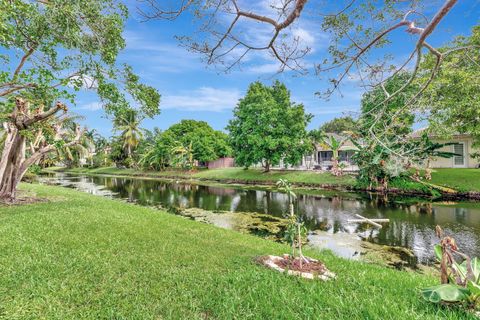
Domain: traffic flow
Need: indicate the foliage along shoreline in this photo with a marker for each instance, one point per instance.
(345, 183)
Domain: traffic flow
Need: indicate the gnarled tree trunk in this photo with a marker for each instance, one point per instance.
(266, 166)
(13, 156)
(13, 162)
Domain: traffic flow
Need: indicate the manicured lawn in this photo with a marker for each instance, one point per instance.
(230, 174)
(253, 175)
(458, 178)
(81, 256)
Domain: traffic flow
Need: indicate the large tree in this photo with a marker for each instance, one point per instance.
(51, 50)
(268, 127)
(363, 38)
(206, 143)
(183, 143)
(384, 127)
(389, 120)
(452, 101)
(339, 125)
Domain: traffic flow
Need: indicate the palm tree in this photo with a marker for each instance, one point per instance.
(89, 138)
(128, 123)
(72, 155)
(185, 155)
(335, 145)
(155, 157)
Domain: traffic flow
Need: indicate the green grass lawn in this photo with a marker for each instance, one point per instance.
(256, 175)
(81, 256)
(458, 178)
(230, 174)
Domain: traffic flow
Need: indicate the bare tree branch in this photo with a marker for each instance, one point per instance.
(228, 48)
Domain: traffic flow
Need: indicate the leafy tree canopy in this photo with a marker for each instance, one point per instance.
(207, 144)
(384, 125)
(339, 125)
(52, 49)
(267, 126)
(452, 100)
(388, 118)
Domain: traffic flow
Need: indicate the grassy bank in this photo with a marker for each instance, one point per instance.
(81, 256)
(462, 180)
(227, 175)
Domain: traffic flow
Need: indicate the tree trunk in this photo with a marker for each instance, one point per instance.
(300, 253)
(335, 167)
(428, 171)
(267, 166)
(13, 163)
(13, 156)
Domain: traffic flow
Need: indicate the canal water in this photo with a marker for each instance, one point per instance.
(326, 213)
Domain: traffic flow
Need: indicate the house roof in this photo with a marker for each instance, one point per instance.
(348, 145)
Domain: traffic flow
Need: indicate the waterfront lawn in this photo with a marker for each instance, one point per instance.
(228, 174)
(257, 175)
(82, 256)
(461, 179)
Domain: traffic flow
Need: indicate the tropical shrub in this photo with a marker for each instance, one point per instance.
(460, 282)
(183, 145)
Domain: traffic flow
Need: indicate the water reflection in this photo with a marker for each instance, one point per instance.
(411, 225)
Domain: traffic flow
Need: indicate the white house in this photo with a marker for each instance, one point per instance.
(321, 157)
(463, 147)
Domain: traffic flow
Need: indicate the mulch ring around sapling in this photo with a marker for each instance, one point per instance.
(308, 269)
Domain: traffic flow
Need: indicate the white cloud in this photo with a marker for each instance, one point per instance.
(88, 82)
(160, 55)
(304, 36)
(267, 68)
(92, 106)
(202, 99)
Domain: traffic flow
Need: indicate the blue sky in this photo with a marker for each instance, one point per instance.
(191, 90)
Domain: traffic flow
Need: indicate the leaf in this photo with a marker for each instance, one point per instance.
(476, 269)
(473, 272)
(438, 251)
(445, 292)
(474, 288)
(460, 269)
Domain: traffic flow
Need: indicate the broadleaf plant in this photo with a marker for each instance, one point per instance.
(460, 282)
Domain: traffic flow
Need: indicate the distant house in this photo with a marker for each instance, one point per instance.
(321, 157)
(463, 147)
(323, 154)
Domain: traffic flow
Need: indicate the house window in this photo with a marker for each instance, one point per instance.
(459, 159)
(325, 156)
(345, 156)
